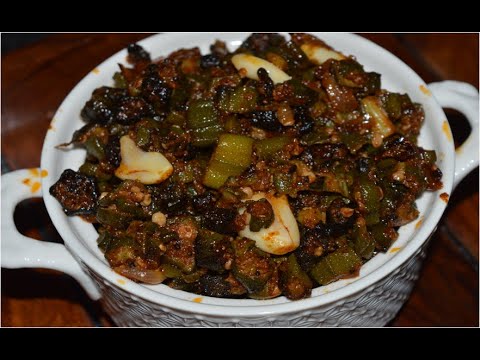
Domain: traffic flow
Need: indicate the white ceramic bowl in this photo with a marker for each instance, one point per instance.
(372, 299)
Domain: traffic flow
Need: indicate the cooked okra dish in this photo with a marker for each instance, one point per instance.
(267, 171)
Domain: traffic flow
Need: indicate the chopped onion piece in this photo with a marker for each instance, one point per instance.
(283, 235)
(251, 64)
(151, 277)
(146, 167)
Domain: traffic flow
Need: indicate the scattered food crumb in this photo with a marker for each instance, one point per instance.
(446, 130)
(424, 89)
(444, 196)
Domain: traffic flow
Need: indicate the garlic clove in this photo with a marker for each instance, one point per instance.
(283, 235)
(319, 54)
(251, 64)
(145, 167)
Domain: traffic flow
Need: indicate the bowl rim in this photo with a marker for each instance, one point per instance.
(249, 310)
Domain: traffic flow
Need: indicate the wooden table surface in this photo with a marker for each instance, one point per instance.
(36, 78)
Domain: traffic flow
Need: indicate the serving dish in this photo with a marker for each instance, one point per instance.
(277, 311)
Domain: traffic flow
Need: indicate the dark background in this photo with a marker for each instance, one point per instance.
(14, 41)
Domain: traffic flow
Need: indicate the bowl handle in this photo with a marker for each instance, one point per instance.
(19, 251)
(464, 98)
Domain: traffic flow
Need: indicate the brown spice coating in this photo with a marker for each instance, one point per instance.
(347, 184)
(76, 192)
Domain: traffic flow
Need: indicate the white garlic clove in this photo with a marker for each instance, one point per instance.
(319, 54)
(251, 64)
(145, 167)
(283, 235)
